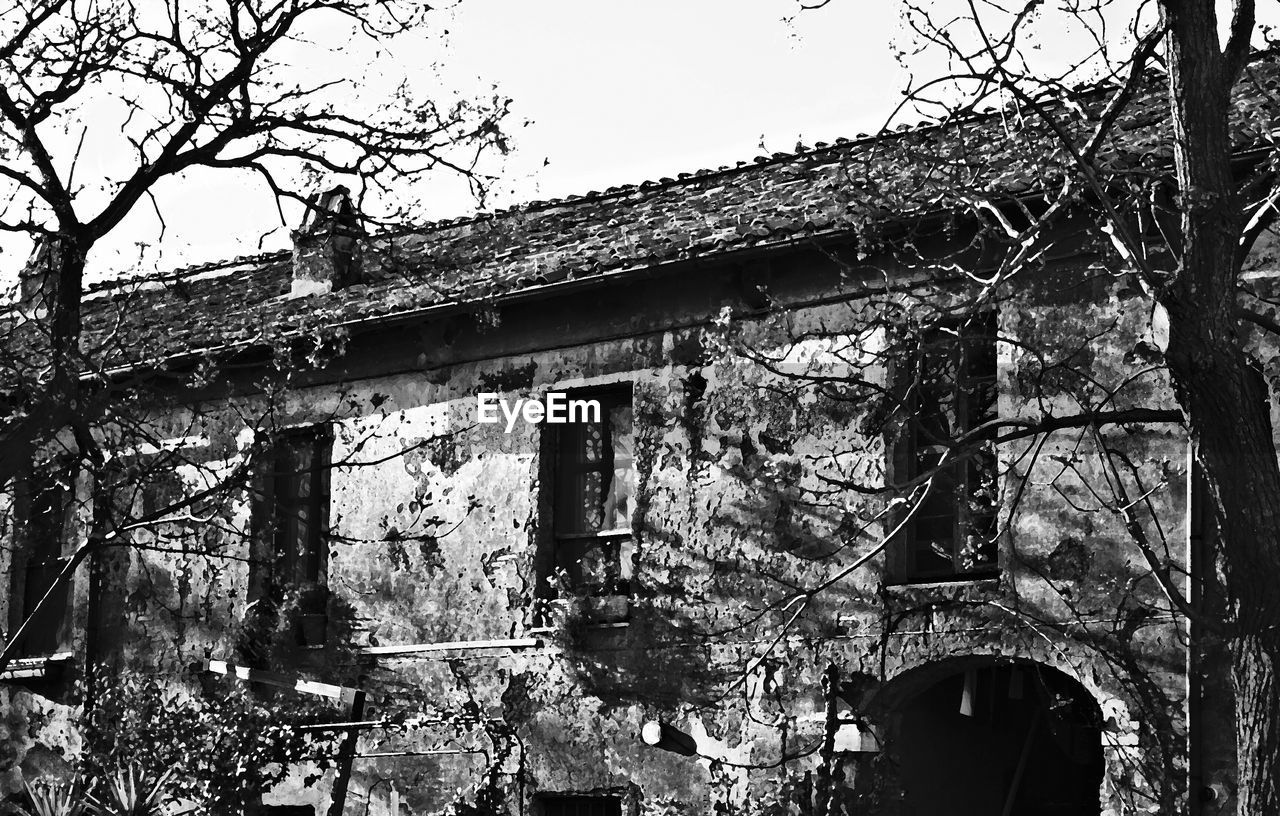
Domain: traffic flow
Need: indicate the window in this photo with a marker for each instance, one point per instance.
(291, 519)
(43, 501)
(592, 479)
(952, 391)
(560, 804)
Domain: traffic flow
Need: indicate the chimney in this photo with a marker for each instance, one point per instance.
(326, 247)
(38, 280)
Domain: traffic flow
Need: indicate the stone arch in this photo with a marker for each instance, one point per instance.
(978, 735)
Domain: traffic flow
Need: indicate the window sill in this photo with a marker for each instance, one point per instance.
(36, 668)
(603, 612)
(982, 579)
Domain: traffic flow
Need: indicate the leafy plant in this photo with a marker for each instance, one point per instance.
(218, 750)
(129, 793)
(53, 799)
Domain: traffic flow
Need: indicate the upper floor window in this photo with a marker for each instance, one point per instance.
(43, 501)
(291, 519)
(592, 480)
(951, 393)
(594, 473)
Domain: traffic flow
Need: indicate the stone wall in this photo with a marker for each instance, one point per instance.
(435, 523)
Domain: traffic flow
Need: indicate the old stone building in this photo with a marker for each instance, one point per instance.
(786, 568)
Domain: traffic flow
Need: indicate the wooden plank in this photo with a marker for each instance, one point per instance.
(452, 645)
(346, 756)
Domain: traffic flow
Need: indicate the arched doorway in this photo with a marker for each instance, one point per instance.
(996, 739)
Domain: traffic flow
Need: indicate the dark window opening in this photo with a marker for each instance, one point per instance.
(292, 519)
(952, 392)
(43, 502)
(589, 549)
(1016, 739)
(119, 488)
(559, 804)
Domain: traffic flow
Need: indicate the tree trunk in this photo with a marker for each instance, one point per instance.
(1227, 408)
(1254, 666)
(67, 280)
(53, 401)
(1224, 397)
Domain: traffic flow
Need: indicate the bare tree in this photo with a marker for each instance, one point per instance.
(1148, 153)
(213, 86)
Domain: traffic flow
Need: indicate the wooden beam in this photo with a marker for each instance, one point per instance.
(345, 696)
(35, 668)
(344, 726)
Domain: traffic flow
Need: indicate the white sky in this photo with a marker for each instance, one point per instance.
(605, 92)
(622, 92)
(613, 92)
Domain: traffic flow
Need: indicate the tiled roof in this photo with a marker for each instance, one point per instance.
(833, 189)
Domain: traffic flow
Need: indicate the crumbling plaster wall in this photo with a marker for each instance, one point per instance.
(717, 460)
(434, 521)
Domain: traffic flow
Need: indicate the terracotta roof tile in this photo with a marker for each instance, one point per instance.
(827, 189)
